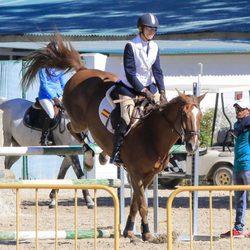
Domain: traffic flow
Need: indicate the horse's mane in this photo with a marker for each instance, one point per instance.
(167, 105)
(58, 54)
(177, 100)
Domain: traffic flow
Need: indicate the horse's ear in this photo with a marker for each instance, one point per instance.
(181, 94)
(200, 98)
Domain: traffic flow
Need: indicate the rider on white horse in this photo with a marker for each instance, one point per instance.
(50, 93)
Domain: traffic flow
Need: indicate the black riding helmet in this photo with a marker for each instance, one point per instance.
(148, 20)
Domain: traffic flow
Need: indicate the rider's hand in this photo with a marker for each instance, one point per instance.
(163, 98)
(57, 102)
(145, 92)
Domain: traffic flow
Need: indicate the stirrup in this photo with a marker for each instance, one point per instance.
(116, 159)
(45, 141)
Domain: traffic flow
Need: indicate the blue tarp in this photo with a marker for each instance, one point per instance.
(116, 17)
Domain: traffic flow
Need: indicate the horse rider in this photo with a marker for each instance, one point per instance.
(141, 76)
(50, 94)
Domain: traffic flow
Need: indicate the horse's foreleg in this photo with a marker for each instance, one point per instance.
(129, 228)
(80, 175)
(88, 152)
(139, 192)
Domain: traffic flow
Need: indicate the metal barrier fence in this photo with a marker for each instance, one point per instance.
(192, 189)
(63, 184)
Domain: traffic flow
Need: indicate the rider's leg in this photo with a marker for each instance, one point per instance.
(120, 130)
(126, 109)
(47, 119)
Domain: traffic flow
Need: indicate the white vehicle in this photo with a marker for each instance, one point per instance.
(216, 162)
(215, 166)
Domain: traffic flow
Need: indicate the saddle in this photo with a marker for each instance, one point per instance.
(34, 115)
(109, 112)
(142, 108)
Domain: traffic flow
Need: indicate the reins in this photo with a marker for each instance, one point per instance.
(183, 132)
(142, 113)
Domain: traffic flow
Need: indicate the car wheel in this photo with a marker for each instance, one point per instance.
(169, 183)
(223, 176)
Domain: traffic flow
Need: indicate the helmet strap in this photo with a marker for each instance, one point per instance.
(141, 31)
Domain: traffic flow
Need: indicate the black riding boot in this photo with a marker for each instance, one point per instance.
(120, 131)
(45, 140)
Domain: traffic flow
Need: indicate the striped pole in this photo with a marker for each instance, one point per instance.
(39, 150)
(107, 182)
(61, 234)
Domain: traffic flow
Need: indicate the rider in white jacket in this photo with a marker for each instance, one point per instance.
(141, 75)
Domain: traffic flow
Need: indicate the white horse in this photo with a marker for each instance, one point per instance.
(15, 133)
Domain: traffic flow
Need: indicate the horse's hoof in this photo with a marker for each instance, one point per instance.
(88, 160)
(134, 240)
(90, 203)
(103, 159)
(131, 236)
(147, 237)
(52, 204)
(125, 233)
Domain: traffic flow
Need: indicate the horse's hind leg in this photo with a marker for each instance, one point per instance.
(62, 172)
(80, 175)
(67, 162)
(88, 152)
(10, 160)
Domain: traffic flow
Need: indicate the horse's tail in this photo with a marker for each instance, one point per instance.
(58, 54)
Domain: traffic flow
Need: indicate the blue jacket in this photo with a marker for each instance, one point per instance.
(51, 86)
(242, 145)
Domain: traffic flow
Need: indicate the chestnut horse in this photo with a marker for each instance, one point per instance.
(145, 151)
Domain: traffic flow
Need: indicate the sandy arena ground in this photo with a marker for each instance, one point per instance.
(105, 213)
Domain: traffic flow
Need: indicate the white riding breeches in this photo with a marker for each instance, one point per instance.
(48, 106)
(127, 106)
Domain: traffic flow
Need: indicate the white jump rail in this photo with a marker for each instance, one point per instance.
(40, 150)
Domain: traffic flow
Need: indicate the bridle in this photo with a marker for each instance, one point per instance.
(186, 132)
(182, 132)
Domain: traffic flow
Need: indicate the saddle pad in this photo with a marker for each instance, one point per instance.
(32, 119)
(104, 111)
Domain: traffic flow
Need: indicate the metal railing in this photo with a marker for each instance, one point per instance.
(192, 189)
(76, 186)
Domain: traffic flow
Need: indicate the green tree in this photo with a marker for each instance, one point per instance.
(206, 126)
